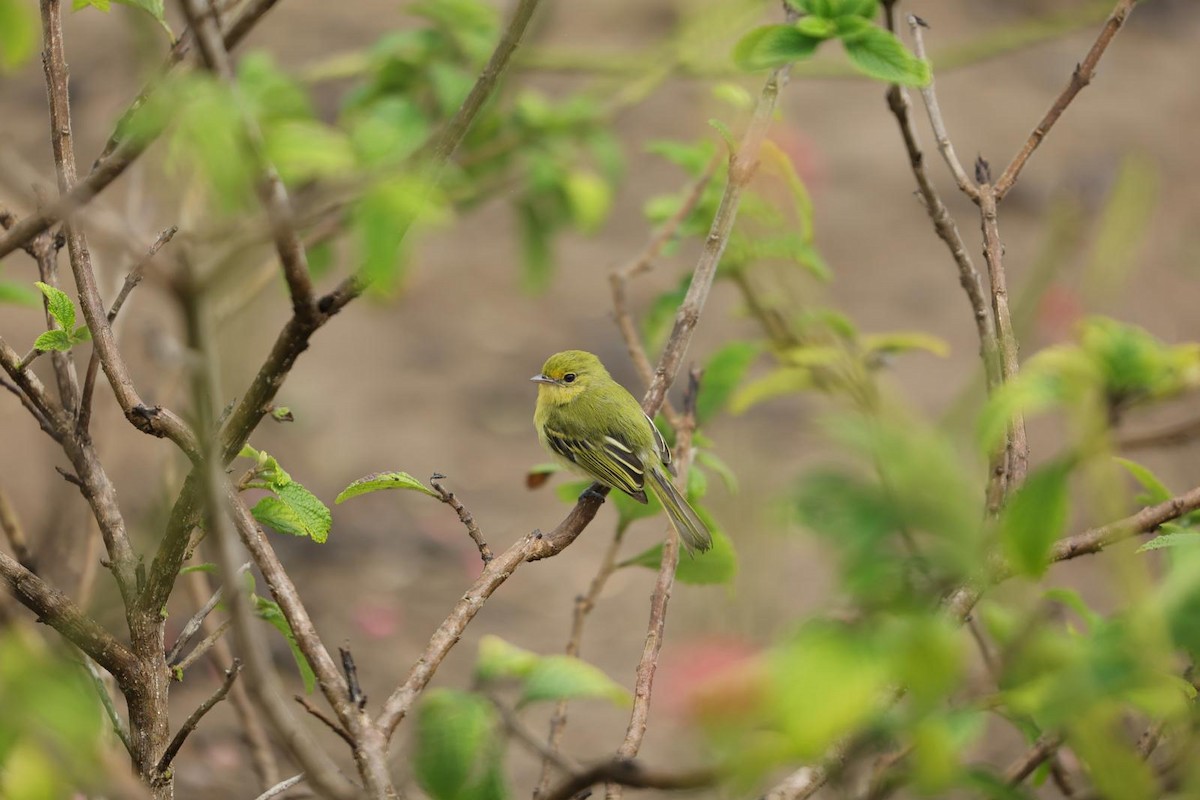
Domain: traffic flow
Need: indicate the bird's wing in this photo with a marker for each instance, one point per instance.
(660, 444)
(610, 460)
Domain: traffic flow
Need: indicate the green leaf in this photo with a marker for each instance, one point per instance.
(1184, 538)
(99, 5)
(724, 371)
(1035, 518)
(381, 219)
(270, 611)
(563, 677)
(384, 480)
(658, 318)
(903, 342)
(59, 305)
(458, 747)
(717, 565)
(18, 38)
(778, 382)
(53, 340)
(152, 7)
(711, 460)
(81, 334)
(17, 293)
(207, 566)
(303, 150)
(879, 54)
(272, 94)
(1155, 492)
(295, 510)
(498, 659)
(816, 27)
(773, 46)
(590, 199)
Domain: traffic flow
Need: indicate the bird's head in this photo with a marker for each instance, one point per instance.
(567, 375)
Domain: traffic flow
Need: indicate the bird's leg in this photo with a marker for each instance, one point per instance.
(593, 492)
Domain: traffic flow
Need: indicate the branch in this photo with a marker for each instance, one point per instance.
(194, 718)
(192, 626)
(206, 644)
(624, 772)
(46, 255)
(281, 787)
(14, 532)
(332, 724)
(1080, 77)
(114, 719)
(464, 516)
(131, 281)
(1043, 749)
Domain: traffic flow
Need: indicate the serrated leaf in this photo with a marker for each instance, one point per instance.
(81, 334)
(59, 305)
(717, 565)
(53, 340)
(1181, 539)
(1035, 518)
(1155, 492)
(772, 46)
(724, 371)
(879, 54)
(378, 481)
(18, 39)
(564, 677)
(458, 746)
(296, 511)
(499, 659)
(270, 611)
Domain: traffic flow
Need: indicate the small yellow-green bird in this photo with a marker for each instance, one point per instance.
(593, 425)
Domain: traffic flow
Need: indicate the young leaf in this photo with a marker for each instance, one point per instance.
(458, 747)
(498, 659)
(879, 54)
(303, 150)
(722, 375)
(270, 611)
(773, 46)
(778, 382)
(562, 677)
(59, 305)
(816, 27)
(714, 462)
(1155, 492)
(1183, 538)
(53, 340)
(383, 480)
(1034, 518)
(296, 511)
(81, 334)
(717, 565)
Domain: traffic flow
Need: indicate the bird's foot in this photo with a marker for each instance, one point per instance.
(592, 493)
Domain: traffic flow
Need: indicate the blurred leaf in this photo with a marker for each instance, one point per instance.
(722, 374)
(1072, 600)
(535, 247)
(565, 677)
(590, 199)
(697, 485)
(1123, 223)
(272, 94)
(498, 659)
(658, 318)
(539, 474)
(718, 565)
(270, 611)
(692, 157)
(295, 510)
(879, 54)
(59, 305)
(208, 567)
(53, 340)
(1119, 773)
(152, 7)
(816, 27)
(388, 131)
(930, 657)
(903, 342)
(1155, 492)
(837, 8)
(1035, 518)
(458, 747)
(710, 459)
(304, 150)
(780, 381)
(773, 46)
(18, 35)
(382, 219)
(383, 480)
(18, 293)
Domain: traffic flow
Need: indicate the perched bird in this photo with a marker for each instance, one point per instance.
(593, 425)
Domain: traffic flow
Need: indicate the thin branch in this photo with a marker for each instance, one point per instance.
(519, 731)
(132, 279)
(14, 532)
(206, 644)
(192, 626)
(1043, 749)
(32, 392)
(938, 124)
(632, 774)
(1080, 77)
(1172, 436)
(332, 724)
(464, 516)
(46, 255)
(194, 718)
(114, 719)
(38, 416)
(281, 787)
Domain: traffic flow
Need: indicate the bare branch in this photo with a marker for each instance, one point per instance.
(206, 644)
(332, 724)
(1080, 77)
(14, 532)
(114, 719)
(192, 626)
(281, 787)
(194, 718)
(632, 774)
(465, 516)
(1043, 749)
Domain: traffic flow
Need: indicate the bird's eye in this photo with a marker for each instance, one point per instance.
(569, 377)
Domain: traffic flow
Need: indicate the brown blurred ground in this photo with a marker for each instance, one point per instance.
(446, 390)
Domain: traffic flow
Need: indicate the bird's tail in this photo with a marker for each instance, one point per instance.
(687, 522)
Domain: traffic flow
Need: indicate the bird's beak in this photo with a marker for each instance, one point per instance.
(542, 379)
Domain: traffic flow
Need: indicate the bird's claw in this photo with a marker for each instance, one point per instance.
(592, 493)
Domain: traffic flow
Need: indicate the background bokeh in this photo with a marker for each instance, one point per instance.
(442, 386)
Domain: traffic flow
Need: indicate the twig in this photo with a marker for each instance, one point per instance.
(206, 644)
(193, 625)
(15, 533)
(34, 411)
(1043, 749)
(1171, 436)
(940, 135)
(632, 774)
(1080, 77)
(353, 689)
(465, 516)
(584, 604)
(132, 279)
(332, 724)
(114, 719)
(281, 787)
(46, 255)
(194, 718)
(519, 731)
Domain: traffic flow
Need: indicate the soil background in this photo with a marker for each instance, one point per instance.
(443, 385)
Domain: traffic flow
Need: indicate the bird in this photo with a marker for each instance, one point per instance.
(593, 425)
